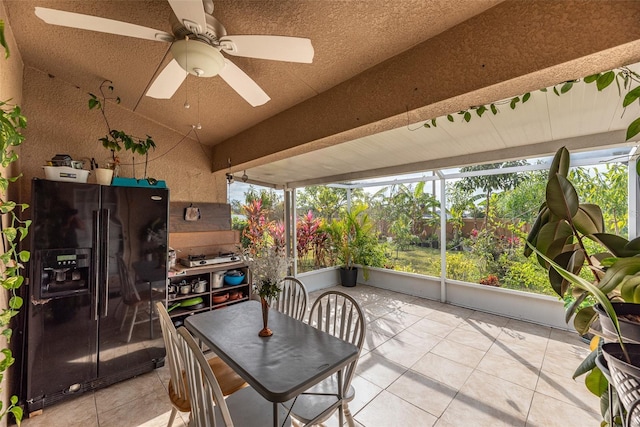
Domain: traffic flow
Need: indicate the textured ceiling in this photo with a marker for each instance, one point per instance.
(348, 37)
(378, 66)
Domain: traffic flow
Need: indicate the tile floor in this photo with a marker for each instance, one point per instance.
(424, 363)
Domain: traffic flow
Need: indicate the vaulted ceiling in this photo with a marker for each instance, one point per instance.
(378, 66)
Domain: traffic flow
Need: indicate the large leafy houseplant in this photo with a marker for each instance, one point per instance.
(559, 237)
(13, 230)
(115, 140)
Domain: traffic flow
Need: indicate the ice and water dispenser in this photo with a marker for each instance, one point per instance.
(63, 271)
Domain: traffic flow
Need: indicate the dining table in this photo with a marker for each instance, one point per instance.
(279, 367)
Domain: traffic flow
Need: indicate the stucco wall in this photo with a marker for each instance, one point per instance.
(60, 122)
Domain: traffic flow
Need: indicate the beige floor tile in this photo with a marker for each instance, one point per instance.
(400, 352)
(443, 370)
(415, 308)
(418, 339)
(401, 317)
(373, 339)
(379, 370)
(488, 329)
(479, 317)
(122, 393)
(451, 319)
(150, 410)
(385, 325)
(80, 411)
(486, 400)
(562, 364)
(523, 374)
(389, 410)
(547, 411)
(573, 392)
(460, 353)
(431, 327)
(529, 355)
(365, 392)
(477, 340)
(425, 393)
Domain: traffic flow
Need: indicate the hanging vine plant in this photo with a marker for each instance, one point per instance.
(627, 81)
(13, 231)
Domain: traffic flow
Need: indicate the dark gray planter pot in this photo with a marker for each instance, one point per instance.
(629, 330)
(348, 276)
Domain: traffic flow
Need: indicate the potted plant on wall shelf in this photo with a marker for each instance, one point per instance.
(115, 139)
(560, 236)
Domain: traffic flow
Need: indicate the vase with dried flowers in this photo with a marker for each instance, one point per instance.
(268, 264)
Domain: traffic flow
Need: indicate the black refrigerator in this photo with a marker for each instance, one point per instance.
(98, 266)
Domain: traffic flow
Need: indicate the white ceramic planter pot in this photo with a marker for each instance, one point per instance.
(104, 176)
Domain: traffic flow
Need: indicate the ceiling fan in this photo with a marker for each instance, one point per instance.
(196, 45)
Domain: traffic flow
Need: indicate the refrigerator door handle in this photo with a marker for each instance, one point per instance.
(104, 248)
(95, 263)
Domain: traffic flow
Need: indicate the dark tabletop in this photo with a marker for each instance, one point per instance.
(296, 357)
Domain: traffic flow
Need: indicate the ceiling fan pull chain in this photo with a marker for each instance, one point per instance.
(186, 80)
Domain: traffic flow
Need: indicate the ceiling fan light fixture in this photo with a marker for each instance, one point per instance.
(197, 58)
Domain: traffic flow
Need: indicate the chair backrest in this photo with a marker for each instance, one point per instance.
(205, 393)
(292, 299)
(173, 358)
(340, 315)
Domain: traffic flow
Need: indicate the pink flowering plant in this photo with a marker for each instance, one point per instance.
(265, 253)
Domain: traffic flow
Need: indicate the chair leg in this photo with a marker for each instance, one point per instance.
(348, 416)
(133, 322)
(174, 411)
(124, 317)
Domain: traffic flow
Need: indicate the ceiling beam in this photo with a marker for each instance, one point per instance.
(510, 49)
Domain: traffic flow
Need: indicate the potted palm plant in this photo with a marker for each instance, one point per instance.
(355, 242)
(603, 280)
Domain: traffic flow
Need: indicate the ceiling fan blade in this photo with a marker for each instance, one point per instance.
(103, 25)
(190, 13)
(243, 84)
(277, 48)
(168, 81)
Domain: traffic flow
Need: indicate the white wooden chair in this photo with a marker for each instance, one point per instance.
(292, 299)
(340, 315)
(229, 381)
(208, 406)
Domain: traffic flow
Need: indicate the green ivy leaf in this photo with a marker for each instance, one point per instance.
(514, 101)
(3, 41)
(555, 90)
(566, 87)
(467, 116)
(494, 109)
(592, 78)
(526, 97)
(605, 80)
(631, 96)
(633, 129)
(143, 151)
(481, 110)
(544, 89)
(450, 117)
(427, 125)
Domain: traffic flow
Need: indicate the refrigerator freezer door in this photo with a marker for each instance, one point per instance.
(136, 274)
(61, 338)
